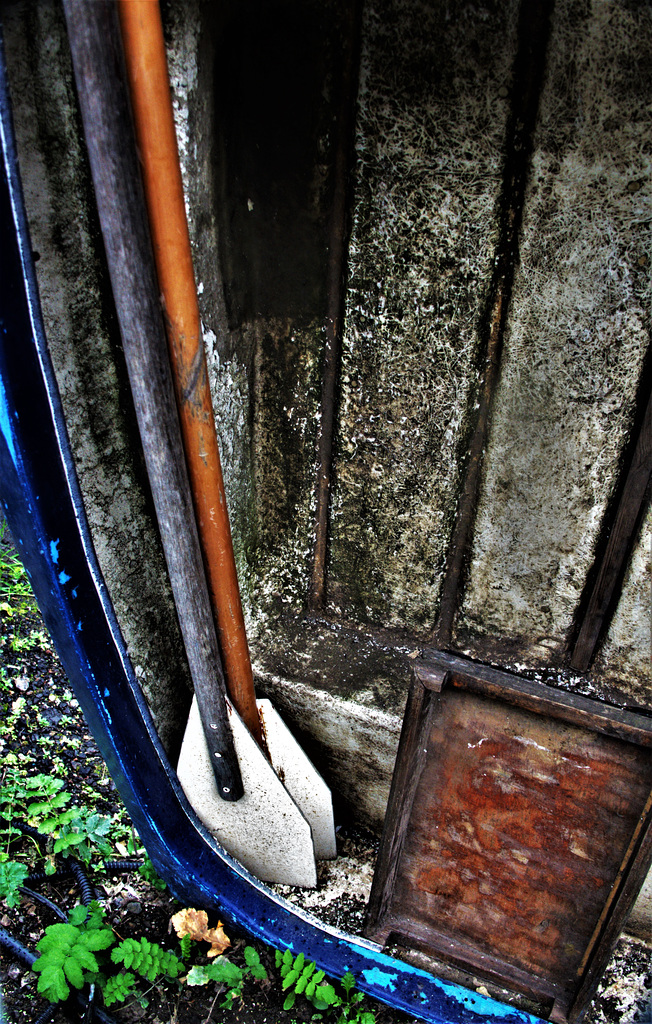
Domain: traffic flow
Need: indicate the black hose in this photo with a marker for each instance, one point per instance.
(16, 948)
(23, 955)
(48, 1014)
(45, 901)
(123, 865)
(42, 876)
(82, 881)
(27, 830)
(65, 871)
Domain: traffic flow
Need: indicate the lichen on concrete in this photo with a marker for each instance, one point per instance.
(430, 130)
(230, 395)
(286, 396)
(578, 331)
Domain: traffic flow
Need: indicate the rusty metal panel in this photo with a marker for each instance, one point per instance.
(518, 826)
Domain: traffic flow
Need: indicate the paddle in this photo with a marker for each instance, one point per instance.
(94, 34)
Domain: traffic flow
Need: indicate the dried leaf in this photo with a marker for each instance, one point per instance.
(194, 923)
(218, 939)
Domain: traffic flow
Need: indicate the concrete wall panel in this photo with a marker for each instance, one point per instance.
(577, 335)
(627, 650)
(432, 111)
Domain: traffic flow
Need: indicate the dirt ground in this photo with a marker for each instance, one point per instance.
(44, 731)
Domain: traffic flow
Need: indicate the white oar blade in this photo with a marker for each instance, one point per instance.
(301, 779)
(265, 830)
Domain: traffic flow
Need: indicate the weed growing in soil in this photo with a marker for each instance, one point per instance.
(16, 596)
(229, 976)
(301, 977)
(33, 806)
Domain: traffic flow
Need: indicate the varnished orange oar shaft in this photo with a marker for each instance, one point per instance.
(152, 106)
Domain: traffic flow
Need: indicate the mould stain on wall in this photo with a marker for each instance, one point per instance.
(576, 339)
(431, 124)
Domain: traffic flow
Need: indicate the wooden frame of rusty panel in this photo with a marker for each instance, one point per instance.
(434, 675)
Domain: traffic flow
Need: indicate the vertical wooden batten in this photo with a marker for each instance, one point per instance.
(621, 528)
(336, 273)
(534, 28)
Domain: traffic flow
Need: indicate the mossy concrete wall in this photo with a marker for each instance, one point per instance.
(431, 123)
(628, 644)
(578, 332)
(434, 97)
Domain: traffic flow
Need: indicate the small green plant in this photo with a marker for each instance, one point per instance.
(149, 873)
(12, 876)
(15, 590)
(68, 952)
(40, 802)
(36, 638)
(75, 954)
(301, 977)
(229, 975)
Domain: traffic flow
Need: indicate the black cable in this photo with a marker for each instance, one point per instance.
(48, 1014)
(65, 871)
(27, 830)
(61, 914)
(123, 865)
(42, 876)
(16, 948)
(23, 955)
(89, 1012)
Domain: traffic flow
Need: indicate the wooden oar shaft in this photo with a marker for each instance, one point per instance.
(94, 34)
(146, 61)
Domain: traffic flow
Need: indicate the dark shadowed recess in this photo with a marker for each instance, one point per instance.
(275, 71)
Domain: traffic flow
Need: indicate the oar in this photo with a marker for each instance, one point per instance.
(286, 814)
(146, 62)
(94, 34)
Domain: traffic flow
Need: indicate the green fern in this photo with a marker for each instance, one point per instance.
(149, 959)
(118, 987)
(303, 978)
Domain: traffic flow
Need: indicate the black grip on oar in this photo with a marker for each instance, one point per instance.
(98, 62)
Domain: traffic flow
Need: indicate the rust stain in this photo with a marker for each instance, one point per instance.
(518, 830)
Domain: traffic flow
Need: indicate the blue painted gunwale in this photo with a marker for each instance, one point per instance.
(42, 503)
